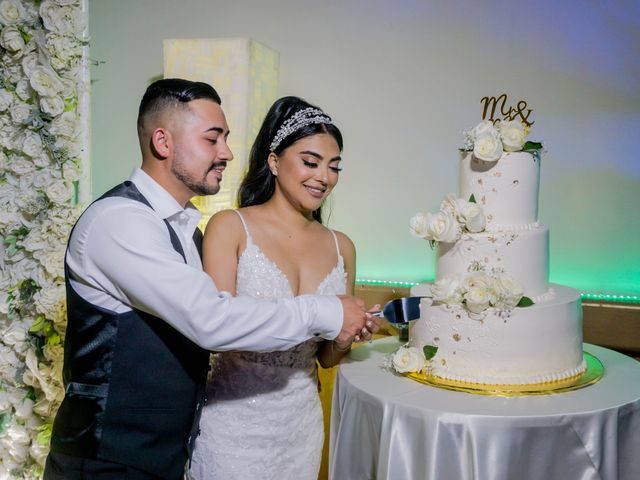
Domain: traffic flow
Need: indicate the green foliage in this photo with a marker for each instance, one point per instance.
(429, 351)
(525, 302)
(531, 146)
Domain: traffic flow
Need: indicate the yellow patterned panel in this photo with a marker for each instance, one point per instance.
(245, 74)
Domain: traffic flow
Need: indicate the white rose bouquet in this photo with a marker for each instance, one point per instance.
(489, 141)
(456, 217)
(480, 289)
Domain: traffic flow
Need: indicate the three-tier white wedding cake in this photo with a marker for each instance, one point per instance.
(492, 313)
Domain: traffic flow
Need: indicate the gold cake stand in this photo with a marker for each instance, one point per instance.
(592, 374)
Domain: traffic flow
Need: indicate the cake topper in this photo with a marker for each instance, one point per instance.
(521, 110)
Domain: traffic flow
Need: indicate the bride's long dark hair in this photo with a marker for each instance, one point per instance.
(258, 184)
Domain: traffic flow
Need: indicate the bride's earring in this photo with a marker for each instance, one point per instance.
(274, 172)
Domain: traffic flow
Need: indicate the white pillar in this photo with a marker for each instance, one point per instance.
(245, 75)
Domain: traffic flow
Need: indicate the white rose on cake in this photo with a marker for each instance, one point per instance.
(453, 206)
(477, 299)
(508, 292)
(442, 227)
(408, 359)
(447, 290)
(418, 225)
(512, 134)
(488, 147)
(473, 217)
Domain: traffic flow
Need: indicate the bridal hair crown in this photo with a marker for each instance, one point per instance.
(301, 118)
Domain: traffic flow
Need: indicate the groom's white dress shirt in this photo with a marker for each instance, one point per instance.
(120, 257)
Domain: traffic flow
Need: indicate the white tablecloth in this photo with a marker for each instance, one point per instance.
(385, 426)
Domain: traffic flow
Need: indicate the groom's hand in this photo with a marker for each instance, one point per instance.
(353, 318)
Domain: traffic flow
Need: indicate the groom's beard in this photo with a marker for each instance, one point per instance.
(198, 186)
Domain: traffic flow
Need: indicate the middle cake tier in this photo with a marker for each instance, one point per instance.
(521, 254)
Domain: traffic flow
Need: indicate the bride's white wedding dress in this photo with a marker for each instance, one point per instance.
(263, 418)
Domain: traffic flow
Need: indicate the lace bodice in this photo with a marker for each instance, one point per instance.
(258, 276)
(263, 419)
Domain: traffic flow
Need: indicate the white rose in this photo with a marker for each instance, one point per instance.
(70, 171)
(408, 359)
(25, 409)
(487, 147)
(418, 225)
(32, 144)
(20, 113)
(59, 19)
(64, 125)
(34, 240)
(45, 81)
(59, 191)
(49, 301)
(11, 40)
(485, 127)
(52, 106)
(512, 135)
(507, 291)
(442, 227)
(15, 334)
(24, 90)
(19, 441)
(8, 219)
(13, 72)
(477, 299)
(452, 205)
(447, 290)
(6, 99)
(53, 353)
(41, 178)
(52, 262)
(11, 12)
(473, 216)
(43, 407)
(20, 165)
(29, 63)
(477, 279)
(62, 48)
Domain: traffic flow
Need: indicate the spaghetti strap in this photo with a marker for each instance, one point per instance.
(335, 239)
(244, 224)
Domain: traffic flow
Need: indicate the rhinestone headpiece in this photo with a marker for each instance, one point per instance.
(301, 118)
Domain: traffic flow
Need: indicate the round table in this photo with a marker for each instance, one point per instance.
(386, 426)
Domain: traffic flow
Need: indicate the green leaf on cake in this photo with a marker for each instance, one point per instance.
(472, 199)
(525, 302)
(429, 351)
(531, 146)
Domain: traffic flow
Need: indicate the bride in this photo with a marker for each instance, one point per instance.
(263, 418)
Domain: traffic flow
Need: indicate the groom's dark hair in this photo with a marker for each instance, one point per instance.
(171, 93)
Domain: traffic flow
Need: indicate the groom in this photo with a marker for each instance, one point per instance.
(143, 316)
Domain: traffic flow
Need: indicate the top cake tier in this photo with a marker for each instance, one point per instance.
(506, 189)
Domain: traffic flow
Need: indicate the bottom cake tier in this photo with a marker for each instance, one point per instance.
(536, 344)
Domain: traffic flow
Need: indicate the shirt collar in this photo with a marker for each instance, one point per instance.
(161, 201)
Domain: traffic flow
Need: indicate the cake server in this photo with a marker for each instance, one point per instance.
(400, 310)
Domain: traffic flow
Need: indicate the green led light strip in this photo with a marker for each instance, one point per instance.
(585, 296)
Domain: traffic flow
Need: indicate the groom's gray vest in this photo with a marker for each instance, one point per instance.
(134, 385)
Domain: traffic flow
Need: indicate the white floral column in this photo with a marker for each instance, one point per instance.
(245, 74)
(43, 172)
